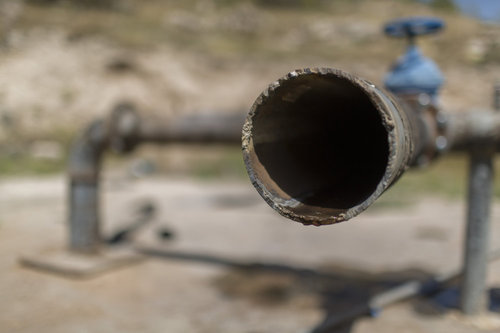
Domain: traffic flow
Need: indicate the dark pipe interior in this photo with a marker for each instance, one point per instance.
(322, 142)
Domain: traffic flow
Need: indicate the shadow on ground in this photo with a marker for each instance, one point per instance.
(337, 290)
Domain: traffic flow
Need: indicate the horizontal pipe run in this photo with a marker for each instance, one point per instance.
(122, 132)
(197, 128)
(472, 129)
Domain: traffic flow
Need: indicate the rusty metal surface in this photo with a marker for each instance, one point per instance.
(321, 145)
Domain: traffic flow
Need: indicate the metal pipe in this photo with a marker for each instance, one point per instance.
(473, 295)
(470, 130)
(196, 128)
(474, 290)
(83, 169)
(321, 145)
(122, 132)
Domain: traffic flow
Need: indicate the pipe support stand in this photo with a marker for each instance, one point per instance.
(473, 288)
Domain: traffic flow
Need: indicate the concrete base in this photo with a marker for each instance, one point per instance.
(76, 265)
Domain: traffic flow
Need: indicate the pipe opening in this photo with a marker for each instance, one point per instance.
(320, 145)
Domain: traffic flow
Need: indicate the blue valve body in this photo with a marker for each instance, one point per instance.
(413, 73)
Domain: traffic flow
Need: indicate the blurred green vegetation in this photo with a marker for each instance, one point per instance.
(446, 5)
(18, 159)
(26, 165)
(229, 165)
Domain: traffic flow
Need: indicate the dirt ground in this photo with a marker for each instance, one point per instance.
(230, 264)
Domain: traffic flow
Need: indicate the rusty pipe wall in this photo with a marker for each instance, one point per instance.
(321, 145)
(122, 132)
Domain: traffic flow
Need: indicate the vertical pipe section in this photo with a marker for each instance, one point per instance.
(477, 232)
(473, 299)
(84, 167)
(84, 220)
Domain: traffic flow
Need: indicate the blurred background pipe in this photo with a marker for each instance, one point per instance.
(83, 171)
(122, 132)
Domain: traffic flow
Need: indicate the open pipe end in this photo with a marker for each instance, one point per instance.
(320, 145)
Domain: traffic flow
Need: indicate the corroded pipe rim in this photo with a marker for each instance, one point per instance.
(394, 122)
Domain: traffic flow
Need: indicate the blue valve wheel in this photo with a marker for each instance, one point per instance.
(413, 26)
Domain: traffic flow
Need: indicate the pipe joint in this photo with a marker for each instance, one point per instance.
(124, 125)
(85, 155)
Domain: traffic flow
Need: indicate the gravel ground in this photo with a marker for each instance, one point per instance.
(230, 265)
